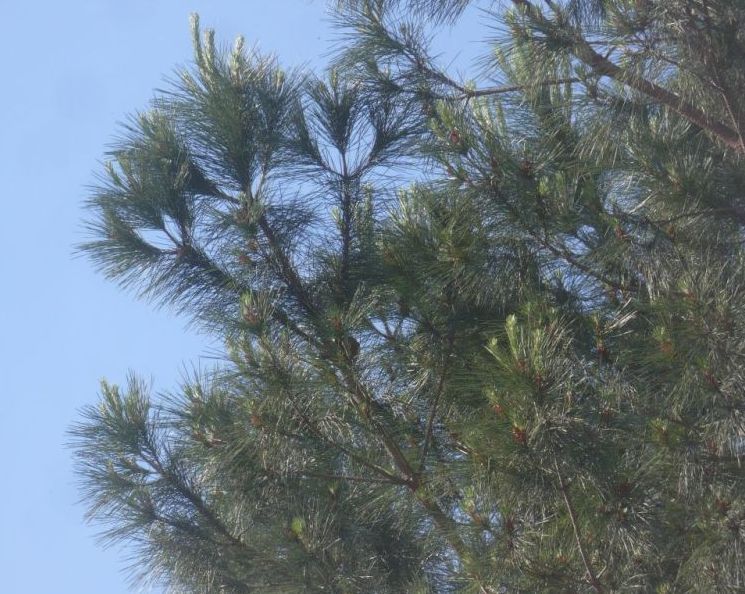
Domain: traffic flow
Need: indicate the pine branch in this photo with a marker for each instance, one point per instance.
(592, 576)
(431, 422)
(348, 478)
(151, 456)
(602, 66)
(365, 402)
(519, 224)
(346, 231)
(392, 478)
(488, 91)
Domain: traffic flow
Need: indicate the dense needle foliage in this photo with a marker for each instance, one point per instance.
(481, 336)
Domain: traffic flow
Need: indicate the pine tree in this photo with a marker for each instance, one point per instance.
(480, 336)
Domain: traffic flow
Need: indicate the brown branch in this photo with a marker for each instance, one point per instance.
(737, 213)
(346, 230)
(280, 316)
(195, 499)
(562, 253)
(388, 476)
(431, 422)
(291, 277)
(362, 399)
(449, 528)
(568, 257)
(591, 575)
(344, 477)
(601, 65)
(486, 91)
(466, 93)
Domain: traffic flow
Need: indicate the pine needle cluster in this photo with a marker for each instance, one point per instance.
(479, 337)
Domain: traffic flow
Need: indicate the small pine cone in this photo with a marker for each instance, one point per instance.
(251, 316)
(722, 506)
(711, 379)
(623, 489)
(509, 525)
(526, 167)
(477, 518)
(256, 421)
(519, 435)
(606, 415)
(242, 216)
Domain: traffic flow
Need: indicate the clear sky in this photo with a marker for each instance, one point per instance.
(70, 71)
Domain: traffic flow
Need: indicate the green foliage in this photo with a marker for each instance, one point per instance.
(478, 338)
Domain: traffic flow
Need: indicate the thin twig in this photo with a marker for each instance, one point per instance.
(431, 421)
(592, 576)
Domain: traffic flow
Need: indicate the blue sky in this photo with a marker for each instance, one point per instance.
(71, 71)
